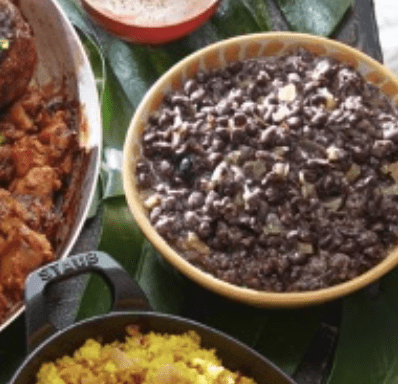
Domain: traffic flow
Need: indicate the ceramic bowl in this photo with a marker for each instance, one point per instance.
(217, 56)
(161, 23)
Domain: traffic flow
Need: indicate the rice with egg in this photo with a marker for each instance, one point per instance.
(151, 358)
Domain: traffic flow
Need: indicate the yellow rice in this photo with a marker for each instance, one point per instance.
(152, 358)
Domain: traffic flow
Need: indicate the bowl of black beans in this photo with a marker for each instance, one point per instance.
(265, 168)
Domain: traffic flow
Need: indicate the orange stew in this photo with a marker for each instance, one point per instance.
(39, 145)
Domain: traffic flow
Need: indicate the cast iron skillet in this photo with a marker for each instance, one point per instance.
(126, 295)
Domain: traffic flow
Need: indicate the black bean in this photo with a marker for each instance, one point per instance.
(180, 100)
(234, 67)
(319, 118)
(222, 121)
(294, 121)
(310, 86)
(247, 241)
(205, 229)
(268, 135)
(391, 134)
(249, 107)
(190, 86)
(262, 78)
(169, 203)
(185, 167)
(368, 238)
(166, 117)
(196, 199)
(382, 148)
(237, 135)
(268, 112)
(224, 108)
(298, 258)
(240, 119)
(294, 77)
(164, 225)
(292, 235)
(165, 168)
(374, 252)
(339, 261)
(192, 220)
(202, 76)
(155, 214)
(349, 246)
(317, 163)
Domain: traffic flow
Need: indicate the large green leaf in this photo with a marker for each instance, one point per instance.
(367, 350)
(131, 69)
(314, 16)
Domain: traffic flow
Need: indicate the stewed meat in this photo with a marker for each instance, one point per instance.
(38, 150)
(21, 248)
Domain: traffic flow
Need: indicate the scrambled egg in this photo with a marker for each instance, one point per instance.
(151, 358)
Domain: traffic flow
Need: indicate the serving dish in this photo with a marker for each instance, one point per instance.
(132, 308)
(66, 66)
(162, 22)
(218, 56)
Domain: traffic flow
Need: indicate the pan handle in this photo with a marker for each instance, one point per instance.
(126, 293)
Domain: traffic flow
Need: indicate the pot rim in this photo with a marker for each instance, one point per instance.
(151, 315)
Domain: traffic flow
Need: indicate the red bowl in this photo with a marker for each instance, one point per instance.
(128, 27)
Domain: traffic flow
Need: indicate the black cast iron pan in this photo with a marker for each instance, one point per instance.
(130, 306)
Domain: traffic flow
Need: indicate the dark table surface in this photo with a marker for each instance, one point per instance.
(358, 29)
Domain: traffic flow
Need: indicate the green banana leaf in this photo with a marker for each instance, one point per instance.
(283, 336)
(318, 17)
(367, 351)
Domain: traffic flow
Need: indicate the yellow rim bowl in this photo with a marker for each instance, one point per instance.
(218, 55)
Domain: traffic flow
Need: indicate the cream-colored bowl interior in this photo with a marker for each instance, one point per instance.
(217, 56)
